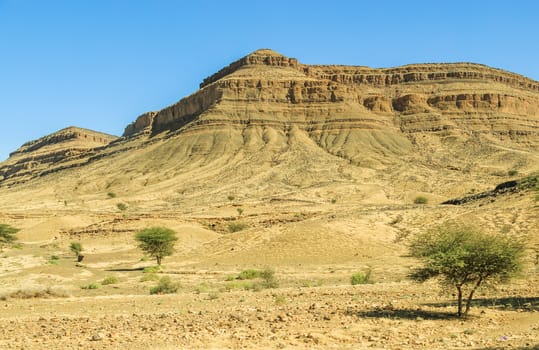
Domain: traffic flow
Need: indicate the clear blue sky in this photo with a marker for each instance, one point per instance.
(99, 64)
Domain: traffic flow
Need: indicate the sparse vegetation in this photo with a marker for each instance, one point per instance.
(464, 258)
(121, 206)
(7, 234)
(230, 197)
(91, 286)
(421, 200)
(110, 280)
(249, 274)
(165, 286)
(361, 278)
(76, 248)
(54, 260)
(158, 242)
(240, 211)
(111, 195)
(35, 292)
(512, 172)
(151, 269)
(236, 226)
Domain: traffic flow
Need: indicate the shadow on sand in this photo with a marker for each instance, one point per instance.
(508, 303)
(408, 314)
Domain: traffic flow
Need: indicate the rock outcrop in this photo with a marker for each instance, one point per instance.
(370, 117)
(63, 149)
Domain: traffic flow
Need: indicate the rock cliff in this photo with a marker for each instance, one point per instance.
(455, 116)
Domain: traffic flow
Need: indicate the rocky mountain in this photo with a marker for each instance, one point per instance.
(270, 123)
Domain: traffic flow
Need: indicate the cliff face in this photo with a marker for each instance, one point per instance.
(370, 117)
(65, 148)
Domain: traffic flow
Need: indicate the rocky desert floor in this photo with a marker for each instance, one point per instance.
(49, 301)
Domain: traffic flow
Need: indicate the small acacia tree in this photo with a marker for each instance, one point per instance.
(464, 258)
(7, 234)
(76, 248)
(158, 242)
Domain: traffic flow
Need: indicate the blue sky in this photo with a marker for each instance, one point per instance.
(99, 64)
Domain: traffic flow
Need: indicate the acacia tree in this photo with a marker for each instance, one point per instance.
(7, 233)
(158, 242)
(76, 248)
(464, 258)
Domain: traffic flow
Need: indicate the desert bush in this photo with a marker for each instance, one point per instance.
(151, 269)
(32, 292)
(54, 260)
(361, 278)
(158, 242)
(512, 172)
(202, 288)
(421, 200)
(230, 278)
(7, 233)
(249, 274)
(91, 286)
(165, 286)
(109, 280)
(111, 195)
(464, 258)
(236, 226)
(121, 206)
(76, 248)
(240, 211)
(268, 277)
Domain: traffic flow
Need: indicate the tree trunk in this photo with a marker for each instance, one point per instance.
(158, 260)
(459, 301)
(80, 257)
(469, 301)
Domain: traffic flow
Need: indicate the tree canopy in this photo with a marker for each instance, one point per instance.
(158, 242)
(464, 257)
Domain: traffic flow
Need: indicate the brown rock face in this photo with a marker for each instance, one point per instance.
(264, 102)
(63, 149)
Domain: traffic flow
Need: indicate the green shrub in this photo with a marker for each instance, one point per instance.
(121, 206)
(230, 197)
(421, 200)
(7, 233)
(230, 278)
(512, 172)
(202, 288)
(361, 278)
(240, 211)
(111, 195)
(54, 260)
(249, 274)
(269, 280)
(165, 286)
(110, 280)
(236, 226)
(91, 286)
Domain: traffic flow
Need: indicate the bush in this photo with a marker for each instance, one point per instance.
(121, 206)
(35, 292)
(7, 233)
(421, 200)
(464, 258)
(109, 280)
(512, 172)
(111, 195)
(158, 242)
(54, 260)
(165, 286)
(91, 286)
(268, 275)
(249, 274)
(236, 226)
(361, 278)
